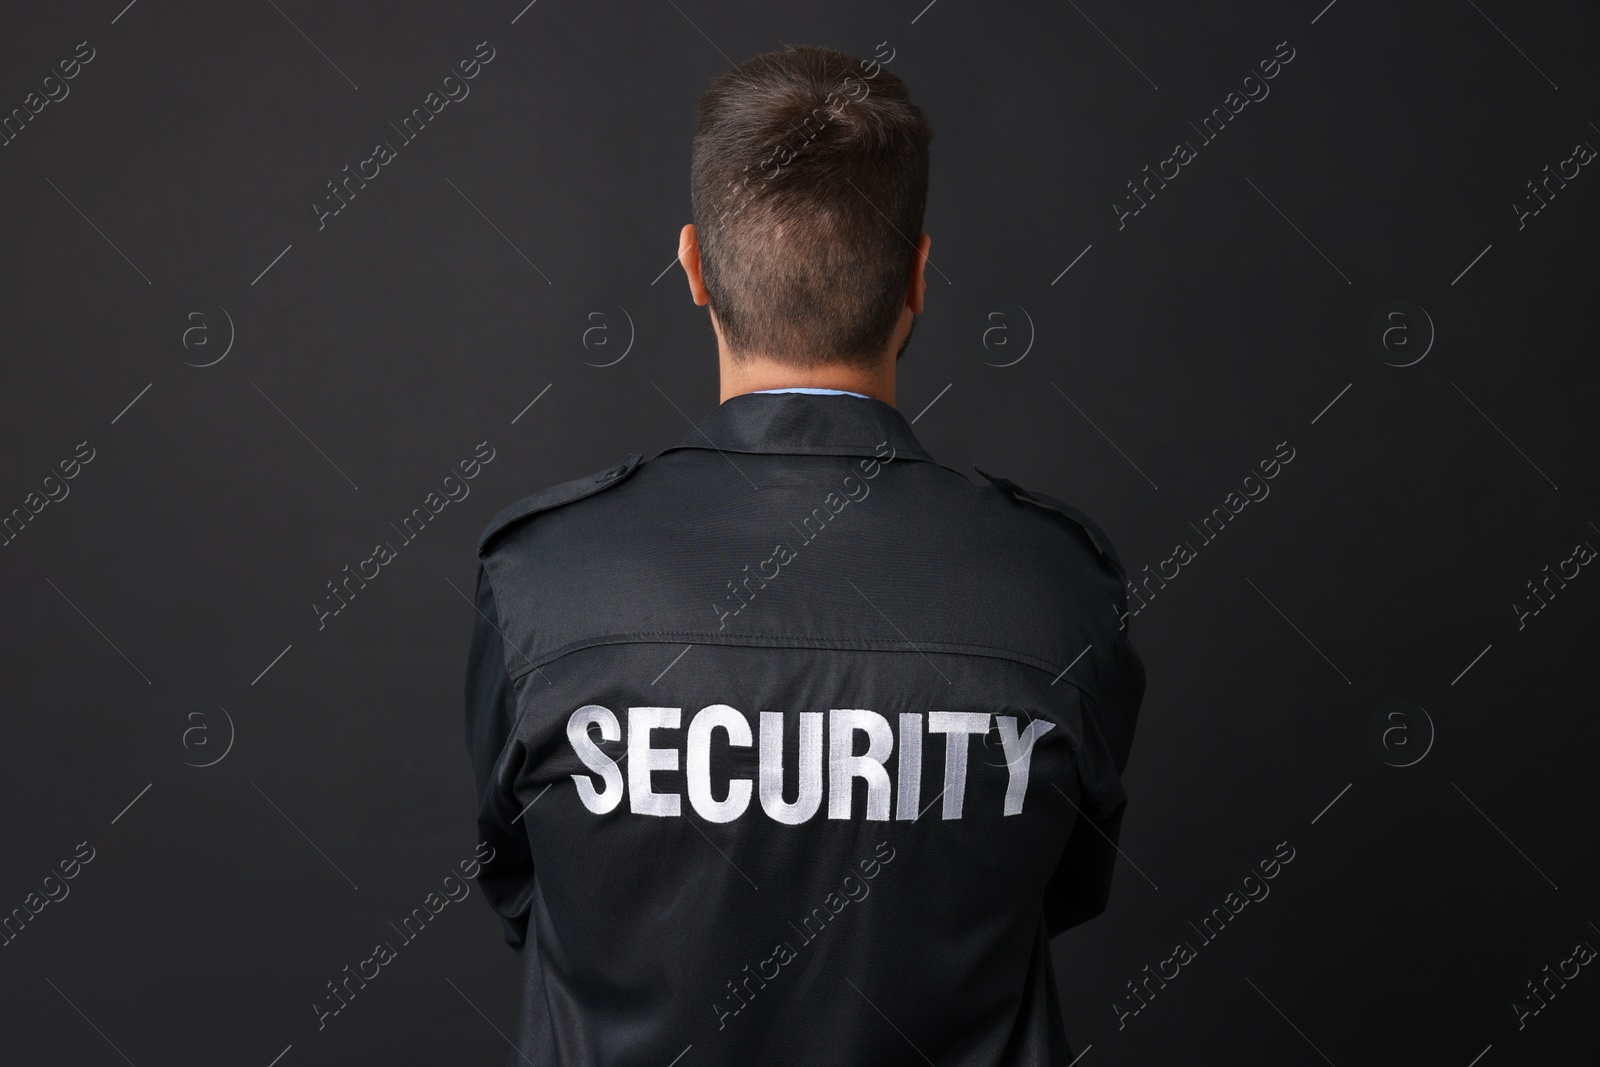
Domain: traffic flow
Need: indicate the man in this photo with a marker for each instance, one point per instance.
(794, 746)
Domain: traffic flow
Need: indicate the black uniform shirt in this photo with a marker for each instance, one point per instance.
(796, 747)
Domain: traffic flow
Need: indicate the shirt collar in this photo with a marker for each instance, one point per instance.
(805, 424)
(814, 391)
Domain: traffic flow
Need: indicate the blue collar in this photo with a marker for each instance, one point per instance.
(815, 392)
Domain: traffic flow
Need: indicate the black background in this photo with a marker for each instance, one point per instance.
(458, 287)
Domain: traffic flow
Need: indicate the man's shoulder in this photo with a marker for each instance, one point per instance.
(556, 496)
(1073, 519)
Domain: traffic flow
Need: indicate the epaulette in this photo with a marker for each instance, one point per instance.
(1097, 537)
(556, 495)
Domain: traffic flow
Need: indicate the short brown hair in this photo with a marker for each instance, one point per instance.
(809, 176)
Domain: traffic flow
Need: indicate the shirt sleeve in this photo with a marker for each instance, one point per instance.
(506, 878)
(1081, 884)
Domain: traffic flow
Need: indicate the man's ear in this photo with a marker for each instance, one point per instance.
(689, 259)
(919, 283)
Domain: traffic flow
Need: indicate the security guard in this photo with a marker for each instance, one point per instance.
(794, 746)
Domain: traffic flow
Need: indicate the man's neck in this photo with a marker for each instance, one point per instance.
(755, 373)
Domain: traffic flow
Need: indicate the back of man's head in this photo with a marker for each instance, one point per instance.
(809, 176)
